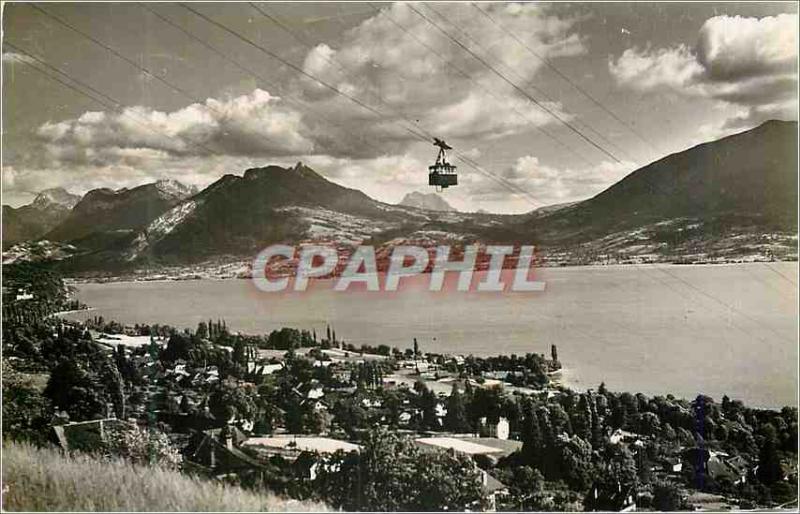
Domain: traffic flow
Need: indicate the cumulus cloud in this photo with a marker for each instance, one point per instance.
(254, 124)
(395, 62)
(749, 63)
(735, 48)
(551, 185)
(400, 63)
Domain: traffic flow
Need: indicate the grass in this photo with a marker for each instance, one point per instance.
(35, 479)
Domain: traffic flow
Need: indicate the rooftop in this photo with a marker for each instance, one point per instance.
(459, 445)
(303, 443)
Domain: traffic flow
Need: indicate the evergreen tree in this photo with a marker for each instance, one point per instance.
(769, 464)
(532, 439)
(582, 418)
(456, 418)
(202, 330)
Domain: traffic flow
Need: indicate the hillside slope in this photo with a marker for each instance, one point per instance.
(722, 201)
(47, 480)
(745, 180)
(104, 210)
(240, 215)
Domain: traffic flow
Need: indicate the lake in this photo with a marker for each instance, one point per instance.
(656, 329)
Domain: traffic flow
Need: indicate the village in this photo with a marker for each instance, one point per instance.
(310, 416)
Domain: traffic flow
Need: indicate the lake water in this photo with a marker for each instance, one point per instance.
(657, 329)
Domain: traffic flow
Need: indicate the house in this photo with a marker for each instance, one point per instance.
(499, 429)
(263, 369)
(672, 464)
(621, 436)
(730, 469)
(87, 435)
(371, 403)
(458, 445)
(494, 489)
(315, 393)
(617, 498)
(24, 296)
(308, 453)
(217, 451)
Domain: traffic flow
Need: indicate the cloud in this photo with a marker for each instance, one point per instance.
(401, 64)
(257, 124)
(749, 63)
(648, 69)
(549, 185)
(396, 62)
(735, 48)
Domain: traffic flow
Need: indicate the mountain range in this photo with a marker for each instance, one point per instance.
(724, 200)
(37, 218)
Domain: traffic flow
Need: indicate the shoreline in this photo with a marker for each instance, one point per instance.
(565, 378)
(160, 276)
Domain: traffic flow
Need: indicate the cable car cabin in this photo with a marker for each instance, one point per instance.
(442, 174)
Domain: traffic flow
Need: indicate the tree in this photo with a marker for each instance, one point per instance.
(295, 420)
(202, 330)
(532, 439)
(573, 462)
(350, 415)
(113, 383)
(560, 420)
(526, 487)
(72, 389)
(581, 418)
(769, 464)
(179, 346)
(427, 403)
(667, 497)
(391, 474)
(456, 418)
(231, 401)
(141, 446)
(26, 413)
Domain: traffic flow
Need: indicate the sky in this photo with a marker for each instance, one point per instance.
(543, 103)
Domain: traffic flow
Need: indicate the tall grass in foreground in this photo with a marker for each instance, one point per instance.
(37, 479)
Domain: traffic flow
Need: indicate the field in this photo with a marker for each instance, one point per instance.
(36, 479)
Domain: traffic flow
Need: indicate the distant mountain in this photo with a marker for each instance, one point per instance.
(744, 184)
(104, 213)
(56, 196)
(428, 201)
(729, 199)
(32, 221)
(240, 215)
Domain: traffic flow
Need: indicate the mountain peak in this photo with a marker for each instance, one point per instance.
(55, 196)
(428, 201)
(274, 170)
(172, 188)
